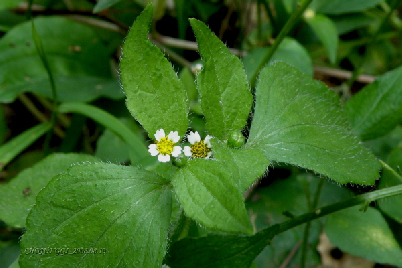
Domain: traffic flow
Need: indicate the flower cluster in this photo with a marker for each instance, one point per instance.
(164, 147)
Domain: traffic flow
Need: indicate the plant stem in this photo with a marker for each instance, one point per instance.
(270, 232)
(38, 114)
(63, 119)
(270, 16)
(304, 247)
(385, 165)
(285, 30)
(342, 74)
(42, 55)
(174, 56)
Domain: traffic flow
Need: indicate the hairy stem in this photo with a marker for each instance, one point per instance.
(386, 166)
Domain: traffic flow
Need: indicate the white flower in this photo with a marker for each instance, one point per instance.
(164, 146)
(196, 68)
(198, 148)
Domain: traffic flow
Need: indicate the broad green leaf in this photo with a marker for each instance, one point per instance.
(103, 4)
(224, 251)
(377, 108)
(289, 51)
(207, 195)
(298, 120)
(245, 165)
(342, 6)
(122, 212)
(111, 123)
(155, 95)
(326, 31)
(218, 251)
(18, 196)
(79, 62)
(13, 147)
(392, 205)
(365, 234)
(222, 84)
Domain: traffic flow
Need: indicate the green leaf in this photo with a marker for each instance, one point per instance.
(19, 195)
(384, 145)
(9, 19)
(377, 108)
(121, 212)
(349, 22)
(245, 165)
(326, 31)
(187, 77)
(364, 234)
(298, 120)
(222, 84)
(9, 3)
(218, 251)
(289, 51)
(69, 89)
(15, 146)
(111, 148)
(9, 252)
(392, 205)
(342, 6)
(155, 96)
(103, 4)
(207, 194)
(79, 62)
(267, 206)
(112, 123)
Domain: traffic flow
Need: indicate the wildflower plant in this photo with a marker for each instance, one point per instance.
(140, 213)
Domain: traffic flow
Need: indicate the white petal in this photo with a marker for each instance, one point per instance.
(163, 158)
(159, 134)
(153, 149)
(193, 137)
(176, 151)
(208, 155)
(174, 136)
(196, 68)
(187, 151)
(207, 141)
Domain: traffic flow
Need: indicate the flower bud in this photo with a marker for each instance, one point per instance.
(236, 139)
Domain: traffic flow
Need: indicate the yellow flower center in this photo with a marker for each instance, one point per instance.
(199, 150)
(165, 146)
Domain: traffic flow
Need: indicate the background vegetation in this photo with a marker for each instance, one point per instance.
(72, 56)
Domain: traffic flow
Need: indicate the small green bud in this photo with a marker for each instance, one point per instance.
(180, 161)
(236, 139)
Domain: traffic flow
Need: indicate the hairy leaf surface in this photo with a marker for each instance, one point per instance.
(298, 120)
(121, 213)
